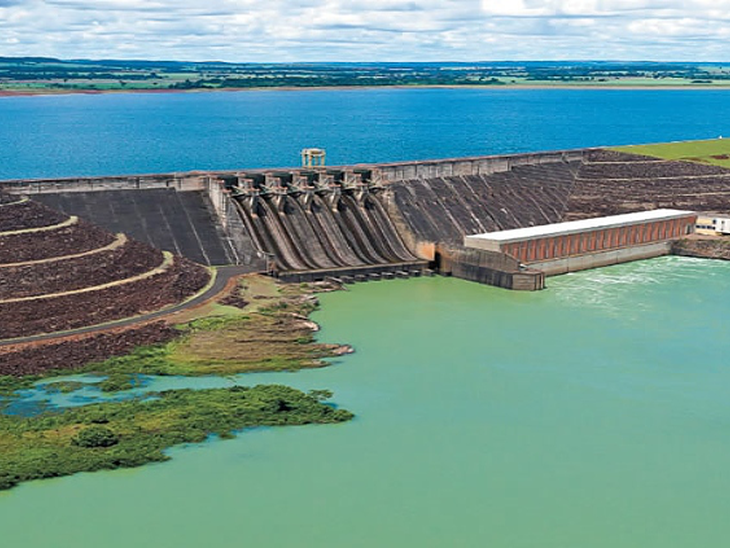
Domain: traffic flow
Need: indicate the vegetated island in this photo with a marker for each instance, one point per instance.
(41, 75)
(259, 326)
(133, 433)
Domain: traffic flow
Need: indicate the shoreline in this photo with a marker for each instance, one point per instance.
(526, 87)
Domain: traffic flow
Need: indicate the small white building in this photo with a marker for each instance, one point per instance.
(713, 224)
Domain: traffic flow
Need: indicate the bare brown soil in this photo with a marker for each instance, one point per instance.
(21, 319)
(129, 260)
(73, 352)
(29, 214)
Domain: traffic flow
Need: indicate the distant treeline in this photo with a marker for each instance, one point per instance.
(40, 72)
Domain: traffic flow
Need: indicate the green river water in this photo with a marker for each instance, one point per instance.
(593, 414)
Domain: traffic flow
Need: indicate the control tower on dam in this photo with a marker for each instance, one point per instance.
(371, 221)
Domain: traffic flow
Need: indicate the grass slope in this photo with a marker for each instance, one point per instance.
(713, 151)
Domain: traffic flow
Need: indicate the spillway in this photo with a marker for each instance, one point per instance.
(311, 228)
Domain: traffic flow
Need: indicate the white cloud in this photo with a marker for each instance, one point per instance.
(309, 30)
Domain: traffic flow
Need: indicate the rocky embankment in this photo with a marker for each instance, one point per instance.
(705, 248)
(74, 352)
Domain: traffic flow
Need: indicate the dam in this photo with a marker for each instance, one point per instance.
(374, 221)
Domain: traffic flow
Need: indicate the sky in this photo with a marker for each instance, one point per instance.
(367, 30)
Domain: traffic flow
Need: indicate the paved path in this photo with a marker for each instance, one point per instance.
(223, 276)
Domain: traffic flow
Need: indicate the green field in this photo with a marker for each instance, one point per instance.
(33, 75)
(713, 151)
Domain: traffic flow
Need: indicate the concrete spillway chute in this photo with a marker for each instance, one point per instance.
(376, 181)
(274, 188)
(328, 188)
(246, 192)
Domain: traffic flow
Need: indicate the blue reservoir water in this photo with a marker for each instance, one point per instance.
(73, 135)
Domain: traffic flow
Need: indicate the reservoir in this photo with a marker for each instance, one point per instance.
(594, 413)
(131, 133)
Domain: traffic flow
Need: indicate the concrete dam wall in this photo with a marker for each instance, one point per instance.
(445, 209)
(328, 220)
(180, 222)
(375, 219)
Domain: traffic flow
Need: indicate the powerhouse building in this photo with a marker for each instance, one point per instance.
(576, 245)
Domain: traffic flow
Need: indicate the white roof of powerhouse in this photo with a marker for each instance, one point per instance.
(584, 225)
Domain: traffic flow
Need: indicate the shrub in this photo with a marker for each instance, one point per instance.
(95, 436)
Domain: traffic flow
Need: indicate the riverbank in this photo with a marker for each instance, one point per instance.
(259, 325)
(566, 86)
(703, 247)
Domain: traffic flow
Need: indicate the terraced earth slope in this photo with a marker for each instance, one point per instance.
(59, 272)
(612, 182)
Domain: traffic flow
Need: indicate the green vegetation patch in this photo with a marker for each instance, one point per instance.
(270, 333)
(265, 327)
(9, 384)
(713, 151)
(132, 433)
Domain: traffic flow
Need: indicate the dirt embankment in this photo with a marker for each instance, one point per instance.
(255, 324)
(76, 351)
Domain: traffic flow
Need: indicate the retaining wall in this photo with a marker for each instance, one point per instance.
(717, 247)
(178, 181)
(487, 267)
